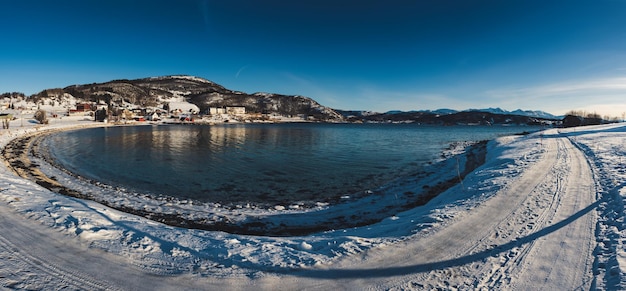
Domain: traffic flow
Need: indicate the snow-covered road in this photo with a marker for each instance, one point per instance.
(527, 219)
(36, 257)
(536, 234)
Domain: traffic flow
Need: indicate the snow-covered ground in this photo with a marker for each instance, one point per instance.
(545, 211)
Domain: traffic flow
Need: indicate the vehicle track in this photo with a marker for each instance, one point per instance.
(544, 262)
(533, 234)
(533, 212)
(20, 247)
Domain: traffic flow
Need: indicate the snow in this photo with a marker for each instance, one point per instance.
(186, 77)
(184, 107)
(545, 211)
(263, 94)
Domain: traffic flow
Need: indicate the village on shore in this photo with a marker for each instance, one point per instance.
(173, 112)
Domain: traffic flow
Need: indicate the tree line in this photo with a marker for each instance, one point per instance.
(595, 115)
(13, 95)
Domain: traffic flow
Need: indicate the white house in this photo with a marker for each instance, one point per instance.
(231, 110)
(216, 110)
(236, 110)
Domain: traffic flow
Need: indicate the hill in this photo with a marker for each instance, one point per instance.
(200, 94)
(158, 92)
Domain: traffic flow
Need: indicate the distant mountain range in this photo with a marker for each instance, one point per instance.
(530, 113)
(156, 92)
(448, 117)
(444, 111)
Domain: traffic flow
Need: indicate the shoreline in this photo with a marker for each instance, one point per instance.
(23, 158)
(505, 223)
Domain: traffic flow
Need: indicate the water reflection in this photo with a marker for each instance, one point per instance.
(256, 163)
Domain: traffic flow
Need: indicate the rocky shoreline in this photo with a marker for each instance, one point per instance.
(24, 157)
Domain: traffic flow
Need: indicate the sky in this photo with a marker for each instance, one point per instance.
(554, 56)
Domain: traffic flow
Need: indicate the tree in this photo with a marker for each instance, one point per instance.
(6, 121)
(41, 116)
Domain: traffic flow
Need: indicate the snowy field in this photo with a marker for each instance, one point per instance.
(545, 211)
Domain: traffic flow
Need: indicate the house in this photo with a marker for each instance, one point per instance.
(81, 109)
(572, 121)
(236, 110)
(230, 110)
(154, 117)
(216, 110)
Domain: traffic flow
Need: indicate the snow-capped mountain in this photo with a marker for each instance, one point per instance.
(530, 113)
(445, 111)
(536, 113)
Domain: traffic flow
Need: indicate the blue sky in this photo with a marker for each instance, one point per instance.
(369, 55)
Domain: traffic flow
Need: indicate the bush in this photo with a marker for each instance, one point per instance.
(41, 116)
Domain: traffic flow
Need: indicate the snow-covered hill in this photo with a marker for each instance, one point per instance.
(530, 113)
(157, 92)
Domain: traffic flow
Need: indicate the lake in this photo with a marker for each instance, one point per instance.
(258, 163)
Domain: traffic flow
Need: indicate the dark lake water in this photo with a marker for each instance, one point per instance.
(257, 163)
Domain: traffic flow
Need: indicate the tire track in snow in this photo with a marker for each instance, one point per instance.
(512, 215)
(534, 212)
(529, 208)
(544, 216)
(36, 257)
(555, 189)
(450, 256)
(20, 247)
(563, 259)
